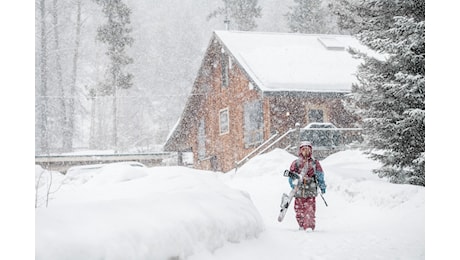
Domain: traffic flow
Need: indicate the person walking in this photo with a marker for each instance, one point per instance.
(305, 198)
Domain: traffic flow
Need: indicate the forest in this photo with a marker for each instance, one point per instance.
(168, 40)
(115, 74)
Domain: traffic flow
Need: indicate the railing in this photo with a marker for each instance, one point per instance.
(253, 152)
(276, 141)
(267, 145)
(325, 141)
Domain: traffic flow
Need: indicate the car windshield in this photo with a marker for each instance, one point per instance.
(320, 125)
(314, 133)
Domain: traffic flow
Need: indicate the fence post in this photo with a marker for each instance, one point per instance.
(297, 126)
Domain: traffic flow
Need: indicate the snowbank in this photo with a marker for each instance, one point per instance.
(180, 213)
(149, 213)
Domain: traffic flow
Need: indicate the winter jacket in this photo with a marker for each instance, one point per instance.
(308, 186)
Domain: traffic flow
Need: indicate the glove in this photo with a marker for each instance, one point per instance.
(290, 182)
(323, 191)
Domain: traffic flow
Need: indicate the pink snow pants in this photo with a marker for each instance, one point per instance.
(305, 210)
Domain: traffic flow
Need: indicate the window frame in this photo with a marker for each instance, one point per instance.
(311, 114)
(201, 139)
(253, 110)
(222, 130)
(225, 77)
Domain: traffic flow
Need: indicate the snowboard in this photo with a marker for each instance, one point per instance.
(286, 199)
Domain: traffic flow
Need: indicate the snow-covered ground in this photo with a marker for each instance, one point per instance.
(181, 213)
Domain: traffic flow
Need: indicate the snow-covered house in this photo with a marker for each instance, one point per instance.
(253, 84)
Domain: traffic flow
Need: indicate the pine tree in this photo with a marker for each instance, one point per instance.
(390, 94)
(115, 33)
(307, 16)
(241, 12)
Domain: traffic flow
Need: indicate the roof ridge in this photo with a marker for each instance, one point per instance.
(282, 33)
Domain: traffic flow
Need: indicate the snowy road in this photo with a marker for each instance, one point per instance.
(367, 218)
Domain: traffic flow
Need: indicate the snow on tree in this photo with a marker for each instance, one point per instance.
(54, 96)
(241, 12)
(115, 33)
(310, 16)
(390, 95)
(41, 90)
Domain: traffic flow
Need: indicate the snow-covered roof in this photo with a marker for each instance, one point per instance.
(294, 62)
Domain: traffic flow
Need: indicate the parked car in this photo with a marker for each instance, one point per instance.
(75, 170)
(92, 167)
(321, 135)
(132, 164)
(319, 125)
(83, 173)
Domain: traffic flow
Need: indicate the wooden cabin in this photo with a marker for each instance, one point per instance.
(253, 84)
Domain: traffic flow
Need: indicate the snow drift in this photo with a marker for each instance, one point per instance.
(156, 213)
(181, 213)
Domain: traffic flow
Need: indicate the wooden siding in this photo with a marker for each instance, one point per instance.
(286, 111)
(229, 147)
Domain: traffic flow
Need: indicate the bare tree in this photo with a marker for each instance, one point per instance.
(58, 70)
(37, 188)
(70, 119)
(41, 108)
(43, 187)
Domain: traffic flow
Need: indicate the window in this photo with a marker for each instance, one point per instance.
(315, 115)
(201, 140)
(253, 123)
(225, 64)
(223, 121)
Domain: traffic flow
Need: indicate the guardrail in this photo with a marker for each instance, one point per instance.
(62, 162)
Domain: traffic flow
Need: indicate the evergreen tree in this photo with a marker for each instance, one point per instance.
(241, 12)
(390, 94)
(115, 33)
(307, 16)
